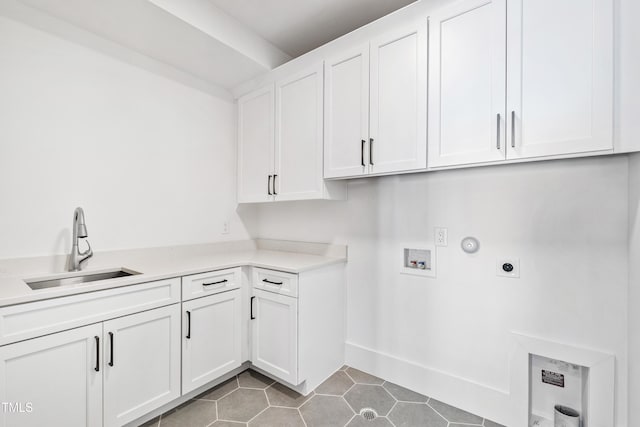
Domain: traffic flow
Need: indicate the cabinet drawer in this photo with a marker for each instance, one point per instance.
(24, 321)
(213, 282)
(275, 281)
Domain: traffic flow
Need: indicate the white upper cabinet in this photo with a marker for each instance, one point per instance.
(398, 125)
(560, 80)
(376, 106)
(346, 115)
(255, 145)
(514, 79)
(473, 82)
(467, 66)
(280, 135)
(298, 146)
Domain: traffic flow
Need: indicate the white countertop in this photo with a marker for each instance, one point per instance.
(162, 263)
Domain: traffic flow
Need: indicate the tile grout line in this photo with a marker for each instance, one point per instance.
(443, 417)
(350, 377)
(258, 414)
(282, 407)
(349, 405)
(267, 394)
(350, 419)
(221, 397)
(392, 408)
(301, 417)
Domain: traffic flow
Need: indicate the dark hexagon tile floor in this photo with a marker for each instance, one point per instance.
(363, 396)
(251, 399)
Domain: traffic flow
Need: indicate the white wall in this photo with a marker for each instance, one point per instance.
(627, 67)
(565, 220)
(634, 289)
(152, 162)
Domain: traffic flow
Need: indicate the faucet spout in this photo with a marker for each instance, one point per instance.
(79, 232)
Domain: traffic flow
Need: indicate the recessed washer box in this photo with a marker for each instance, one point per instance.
(418, 260)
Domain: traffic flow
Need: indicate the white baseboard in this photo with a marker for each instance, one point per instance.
(479, 399)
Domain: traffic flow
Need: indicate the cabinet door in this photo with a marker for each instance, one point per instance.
(346, 114)
(398, 121)
(298, 145)
(142, 363)
(560, 76)
(55, 380)
(255, 145)
(275, 335)
(467, 75)
(211, 338)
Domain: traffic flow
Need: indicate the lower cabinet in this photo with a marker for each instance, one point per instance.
(113, 372)
(55, 380)
(275, 334)
(108, 373)
(211, 340)
(141, 363)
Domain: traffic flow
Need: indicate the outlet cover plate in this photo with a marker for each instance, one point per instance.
(440, 236)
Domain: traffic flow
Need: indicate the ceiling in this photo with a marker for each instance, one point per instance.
(212, 45)
(298, 26)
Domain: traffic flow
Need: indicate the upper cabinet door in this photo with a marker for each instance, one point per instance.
(560, 62)
(298, 146)
(255, 145)
(467, 61)
(398, 116)
(346, 114)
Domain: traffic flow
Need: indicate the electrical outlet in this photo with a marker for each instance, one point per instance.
(508, 267)
(441, 237)
(225, 227)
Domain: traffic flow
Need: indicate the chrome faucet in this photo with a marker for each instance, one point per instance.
(79, 232)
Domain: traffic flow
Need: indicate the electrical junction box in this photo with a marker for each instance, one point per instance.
(508, 267)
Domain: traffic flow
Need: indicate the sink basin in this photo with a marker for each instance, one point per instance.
(78, 278)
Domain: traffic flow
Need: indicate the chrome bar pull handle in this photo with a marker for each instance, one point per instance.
(371, 151)
(269, 186)
(362, 152)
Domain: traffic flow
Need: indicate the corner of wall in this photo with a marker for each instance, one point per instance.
(634, 289)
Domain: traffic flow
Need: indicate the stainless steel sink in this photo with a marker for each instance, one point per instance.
(78, 278)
